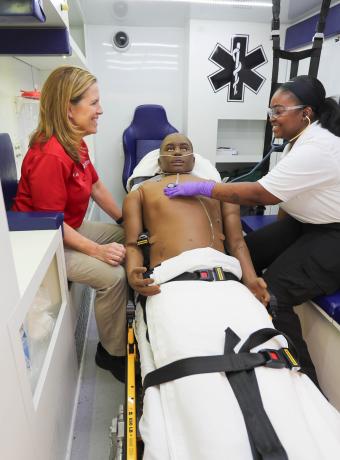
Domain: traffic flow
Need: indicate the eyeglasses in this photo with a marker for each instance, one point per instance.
(279, 110)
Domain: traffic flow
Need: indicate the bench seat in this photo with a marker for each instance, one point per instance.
(329, 303)
(25, 221)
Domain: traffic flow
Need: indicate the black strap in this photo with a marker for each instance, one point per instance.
(228, 362)
(318, 41)
(239, 369)
(203, 365)
(198, 276)
(264, 442)
(262, 335)
(295, 57)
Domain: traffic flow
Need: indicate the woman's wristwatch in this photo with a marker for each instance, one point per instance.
(120, 220)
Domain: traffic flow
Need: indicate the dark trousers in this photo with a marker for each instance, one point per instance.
(302, 261)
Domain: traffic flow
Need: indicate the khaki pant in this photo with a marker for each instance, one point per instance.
(108, 281)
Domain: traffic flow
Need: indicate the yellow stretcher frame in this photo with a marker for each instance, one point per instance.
(131, 418)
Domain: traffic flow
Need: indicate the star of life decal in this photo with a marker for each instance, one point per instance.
(237, 68)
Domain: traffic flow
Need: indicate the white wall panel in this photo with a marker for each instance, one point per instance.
(18, 120)
(206, 107)
(149, 72)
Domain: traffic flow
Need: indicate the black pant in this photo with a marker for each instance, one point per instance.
(302, 261)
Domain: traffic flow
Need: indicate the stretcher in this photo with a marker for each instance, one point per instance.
(198, 416)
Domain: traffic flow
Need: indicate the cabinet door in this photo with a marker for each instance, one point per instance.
(38, 325)
(43, 344)
(14, 424)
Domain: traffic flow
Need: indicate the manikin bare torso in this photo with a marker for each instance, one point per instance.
(180, 224)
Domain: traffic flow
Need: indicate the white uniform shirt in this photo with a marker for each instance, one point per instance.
(307, 179)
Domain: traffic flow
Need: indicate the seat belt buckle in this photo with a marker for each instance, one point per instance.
(205, 275)
(273, 358)
(143, 240)
(219, 274)
(292, 362)
(278, 359)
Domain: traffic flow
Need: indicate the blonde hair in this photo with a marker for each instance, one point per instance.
(65, 85)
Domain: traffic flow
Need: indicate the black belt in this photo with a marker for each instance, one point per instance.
(216, 274)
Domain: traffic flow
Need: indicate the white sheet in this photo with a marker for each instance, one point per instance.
(198, 417)
(148, 166)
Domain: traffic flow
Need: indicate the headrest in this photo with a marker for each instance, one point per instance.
(149, 167)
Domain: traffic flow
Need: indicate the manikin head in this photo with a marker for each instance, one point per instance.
(176, 154)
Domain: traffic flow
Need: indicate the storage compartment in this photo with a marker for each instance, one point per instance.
(41, 334)
(39, 323)
(240, 141)
(25, 11)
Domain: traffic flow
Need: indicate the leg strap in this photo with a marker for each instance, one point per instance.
(239, 369)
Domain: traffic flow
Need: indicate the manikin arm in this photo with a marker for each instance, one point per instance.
(237, 248)
(133, 225)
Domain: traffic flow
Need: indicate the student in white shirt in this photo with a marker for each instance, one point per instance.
(301, 251)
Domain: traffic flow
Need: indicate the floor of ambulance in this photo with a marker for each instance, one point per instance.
(99, 399)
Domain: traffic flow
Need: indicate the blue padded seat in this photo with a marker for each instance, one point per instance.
(35, 220)
(19, 221)
(329, 303)
(336, 316)
(8, 170)
(252, 223)
(145, 133)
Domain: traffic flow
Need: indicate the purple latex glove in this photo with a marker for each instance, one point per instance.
(190, 189)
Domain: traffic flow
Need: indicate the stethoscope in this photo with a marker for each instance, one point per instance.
(273, 148)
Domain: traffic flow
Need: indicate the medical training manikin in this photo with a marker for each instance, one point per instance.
(200, 415)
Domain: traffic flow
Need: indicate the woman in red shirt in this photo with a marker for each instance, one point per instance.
(57, 175)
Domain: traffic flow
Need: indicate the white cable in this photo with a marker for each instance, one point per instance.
(210, 222)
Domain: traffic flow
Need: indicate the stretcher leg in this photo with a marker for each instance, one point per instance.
(131, 419)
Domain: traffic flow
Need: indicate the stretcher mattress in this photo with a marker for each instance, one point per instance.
(198, 417)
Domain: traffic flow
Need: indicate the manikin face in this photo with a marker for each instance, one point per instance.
(86, 112)
(176, 154)
(287, 123)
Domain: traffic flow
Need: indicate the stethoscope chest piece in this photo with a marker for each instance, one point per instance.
(171, 185)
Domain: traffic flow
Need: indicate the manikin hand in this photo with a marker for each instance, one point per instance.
(112, 253)
(143, 286)
(190, 189)
(258, 287)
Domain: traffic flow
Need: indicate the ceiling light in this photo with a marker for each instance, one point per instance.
(141, 55)
(116, 61)
(162, 45)
(225, 2)
(141, 68)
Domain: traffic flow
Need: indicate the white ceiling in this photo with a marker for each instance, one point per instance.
(176, 13)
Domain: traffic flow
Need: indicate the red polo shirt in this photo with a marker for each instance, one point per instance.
(52, 181)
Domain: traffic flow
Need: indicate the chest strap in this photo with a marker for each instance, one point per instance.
(239, 369)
